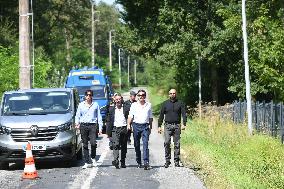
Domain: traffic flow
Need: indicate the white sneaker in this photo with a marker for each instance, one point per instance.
(94, 162)
(87, 165)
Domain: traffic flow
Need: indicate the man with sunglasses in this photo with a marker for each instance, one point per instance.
(87, 118)
(141, 117)
(172, 110)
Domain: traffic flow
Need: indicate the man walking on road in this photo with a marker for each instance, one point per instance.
(141, 117)
(87, 118)
(116, 128)
(128, 103)
(172, 110)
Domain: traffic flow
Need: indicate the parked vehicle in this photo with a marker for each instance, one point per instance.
(45, 118)
(95, 80)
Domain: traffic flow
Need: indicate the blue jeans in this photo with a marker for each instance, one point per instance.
(141, 130)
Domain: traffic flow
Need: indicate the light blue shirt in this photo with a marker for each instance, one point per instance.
(86, 114)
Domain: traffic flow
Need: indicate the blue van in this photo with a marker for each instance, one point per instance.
(109, 84)
(91, 78)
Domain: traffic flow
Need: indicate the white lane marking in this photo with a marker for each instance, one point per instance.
(94, 171)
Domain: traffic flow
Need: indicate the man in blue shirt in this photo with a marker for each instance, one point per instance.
(88, 117)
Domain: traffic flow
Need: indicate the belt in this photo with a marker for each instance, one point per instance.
(119, 126)
(87, 124)
(172, 123)
(141, 123)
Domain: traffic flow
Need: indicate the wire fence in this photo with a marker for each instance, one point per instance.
(267, 118)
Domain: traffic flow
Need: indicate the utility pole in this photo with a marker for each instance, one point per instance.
(119, 68)
(93, 2)
(110, 50)
(199, 86)
(33, 46)
(248, 95)
(24, 45)
(135, 64)
(128, 68)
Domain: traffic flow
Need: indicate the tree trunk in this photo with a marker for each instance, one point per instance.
(214, 79)
(68, 46)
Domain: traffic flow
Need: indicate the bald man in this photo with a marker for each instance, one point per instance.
(172, 110)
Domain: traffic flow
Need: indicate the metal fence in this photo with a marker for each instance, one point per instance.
(266, 117)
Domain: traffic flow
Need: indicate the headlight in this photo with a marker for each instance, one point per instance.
(65, 126)
(5, 130)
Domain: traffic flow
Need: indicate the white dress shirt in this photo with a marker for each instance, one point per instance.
(119, 119)
(141, 113)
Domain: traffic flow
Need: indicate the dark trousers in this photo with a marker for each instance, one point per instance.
(141, 130)
(89, 132)
(172, 130)
(119, 140)
(129, 135)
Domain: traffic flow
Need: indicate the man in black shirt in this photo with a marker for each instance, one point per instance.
(128, 103)
(172, 110)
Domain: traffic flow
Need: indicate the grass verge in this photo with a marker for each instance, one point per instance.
(157, 97)
(227, 157)
(224, 156)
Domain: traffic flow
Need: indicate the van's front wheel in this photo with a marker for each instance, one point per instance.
(4, 165)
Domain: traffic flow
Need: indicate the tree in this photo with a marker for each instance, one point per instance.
(175, 33)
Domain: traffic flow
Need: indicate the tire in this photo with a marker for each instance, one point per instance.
(4, 166)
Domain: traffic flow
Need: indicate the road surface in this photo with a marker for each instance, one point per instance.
(105, 176)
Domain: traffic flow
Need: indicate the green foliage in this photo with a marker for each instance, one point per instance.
(108, 19)
(157, 97)
(174, 34)
(158, 75)
(62, 32)
(9, 64)
(230, 158)
(7, 33)
(9, 69)
(42, 70)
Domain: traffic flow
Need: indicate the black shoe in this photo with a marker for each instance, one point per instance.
(139, 166)
(177, 164)
(146, 167)
(122, 164)
(167, 164)
(116, 164)
(111, 147)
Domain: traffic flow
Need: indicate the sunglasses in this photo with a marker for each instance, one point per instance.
(141, 95)
(89, 95)
(172, 93)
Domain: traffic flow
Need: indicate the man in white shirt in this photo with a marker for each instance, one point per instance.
(116, 128)
(141, 117)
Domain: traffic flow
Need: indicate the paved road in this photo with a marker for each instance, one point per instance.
(105, 176)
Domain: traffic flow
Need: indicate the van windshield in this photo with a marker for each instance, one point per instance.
(31, 103)
(98, 90)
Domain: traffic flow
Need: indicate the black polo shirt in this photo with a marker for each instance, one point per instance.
(172, 112)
